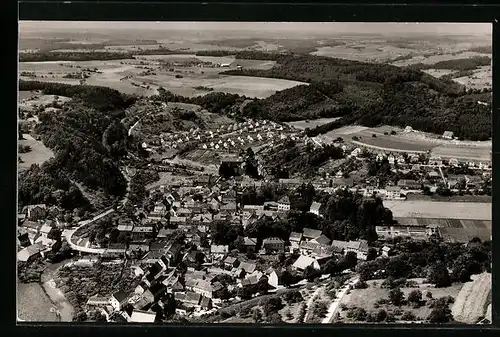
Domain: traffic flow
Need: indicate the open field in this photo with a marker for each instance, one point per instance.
(478, 154)
(125, 76)
(439, 210)
(433, 59)
(412, 142)
(33, 304)
(311, 123)
(366, 298)
(39, 153)
(456, 198)
(438, 72)
(482, 78)
(473, 300)
(447, 223)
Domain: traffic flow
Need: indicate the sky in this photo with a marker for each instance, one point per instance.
(299, 28)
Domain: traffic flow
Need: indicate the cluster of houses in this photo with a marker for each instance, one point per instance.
(225, 137)
(34, 229)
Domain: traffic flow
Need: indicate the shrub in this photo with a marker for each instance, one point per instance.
(357, 314)
(361, 285)
(320, 309)
(396, 296)
(374, 135)
(343, 307)
(428, 294)
(390, 318)
(408, 316)
(440, 315)
(381, 315)
(397, 312)
(415, 297)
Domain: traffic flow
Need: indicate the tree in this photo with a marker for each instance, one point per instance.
(415, 297)
(350, 260)
(257, 315)
(439, 276)
(381, 315)
(54, 234)
(273, 305)
(372, 254)
(440, 314)
(320, 309)
(396, 296)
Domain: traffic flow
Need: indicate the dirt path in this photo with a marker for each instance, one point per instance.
(57, 297)
(338, 299)
(309, 303)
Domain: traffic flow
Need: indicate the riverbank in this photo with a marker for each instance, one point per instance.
(35, 300)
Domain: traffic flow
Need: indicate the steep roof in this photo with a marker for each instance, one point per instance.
(323, 240)
(247, 267)
(120, 296)
(139, 316)
(284, 200)
(303, 262)
(295, 236)
(315, 206)
(310, 233)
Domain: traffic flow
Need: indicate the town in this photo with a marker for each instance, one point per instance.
(198, 241)
(251, 186)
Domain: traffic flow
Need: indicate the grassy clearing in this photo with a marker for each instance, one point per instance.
(39, 153)
(311, 123)
(451, 151)
(454, 198)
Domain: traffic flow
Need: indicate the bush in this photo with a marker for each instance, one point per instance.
(397, 312)
(357, 314)
(408, 316)
(381, 315)
(415, 297)
(396, 296)
(440, 315)
(428, 294)
(361, 285)
(320, 309)
(374, 135)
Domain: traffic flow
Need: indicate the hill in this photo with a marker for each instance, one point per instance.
(369, 94)
(88, 141)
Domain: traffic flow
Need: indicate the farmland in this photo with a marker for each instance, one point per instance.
(439, 210)
(411, 142)
(142, 76)
(301, 125)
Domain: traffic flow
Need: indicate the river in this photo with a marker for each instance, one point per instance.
(35, 300)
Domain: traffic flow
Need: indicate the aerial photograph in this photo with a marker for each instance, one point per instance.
(254, 172)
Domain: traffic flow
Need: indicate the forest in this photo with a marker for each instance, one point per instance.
(457, 64)
(370, 95)
(87, 141)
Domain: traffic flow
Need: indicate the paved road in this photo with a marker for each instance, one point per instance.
(68, 234)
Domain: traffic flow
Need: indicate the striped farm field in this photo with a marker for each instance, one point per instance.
(445, 223)
(439, 209)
